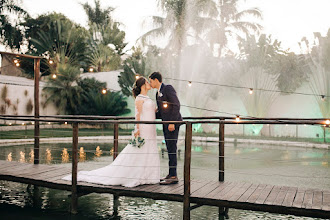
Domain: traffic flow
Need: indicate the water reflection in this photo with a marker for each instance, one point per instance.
(10, 157)
(22, 157)
(82, 155)
(31, 154)
(65, 155)
(98, 151)
(48, 156)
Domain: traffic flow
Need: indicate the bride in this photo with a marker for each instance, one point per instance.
(133, 166)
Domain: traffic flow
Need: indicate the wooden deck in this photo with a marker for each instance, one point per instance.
(247, 196)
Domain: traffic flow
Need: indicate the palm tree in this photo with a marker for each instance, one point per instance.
(64, 91)
(10, 34)
(229, 23)
(318, 60)
(98, 15)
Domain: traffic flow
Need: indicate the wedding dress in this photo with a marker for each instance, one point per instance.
(133, 166)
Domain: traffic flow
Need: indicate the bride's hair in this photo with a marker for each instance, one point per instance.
(137, 86)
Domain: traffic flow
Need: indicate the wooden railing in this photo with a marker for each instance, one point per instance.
(188, 122)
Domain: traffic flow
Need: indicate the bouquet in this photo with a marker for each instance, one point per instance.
(137, 141)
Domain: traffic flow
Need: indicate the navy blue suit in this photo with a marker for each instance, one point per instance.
(170, 113)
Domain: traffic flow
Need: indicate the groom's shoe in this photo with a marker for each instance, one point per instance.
(171, 180)
(167, 177)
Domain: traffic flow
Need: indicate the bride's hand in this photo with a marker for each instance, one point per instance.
(137, 133)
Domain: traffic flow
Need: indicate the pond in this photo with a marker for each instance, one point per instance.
(278, 165)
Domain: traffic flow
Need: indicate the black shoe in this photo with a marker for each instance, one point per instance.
(167, 177)
(169, 181)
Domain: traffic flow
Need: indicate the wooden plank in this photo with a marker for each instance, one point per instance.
(17, 169)
(247, 193)
(255, 195)
(281, 195)
(178, 191)
(223, 192)
(317, 200)
(240, 192)
(206, 189)
(288, 200)
(272, 195)
(326, 201)
(38, 169)
(231, 192)
(195, 186)
(264, 194)
(168, 188)
(308, 199)
(298, 200)
(218, 190)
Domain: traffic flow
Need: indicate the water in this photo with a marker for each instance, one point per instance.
(249, 163)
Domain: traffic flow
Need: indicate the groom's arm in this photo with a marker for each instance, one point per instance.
(158, 116)
(173, 100)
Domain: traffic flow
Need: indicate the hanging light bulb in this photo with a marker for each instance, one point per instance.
(54, 76)
(65, 123)
(137, 76)
(32, 123)
(189, 84)
(165, 105)
(91, 69)
(323, 98)
(23, 123)
(10, 124)
(16, 61)
(327, 122)
(238, 118)
(51, 62)
(104, 91)
(17, 64)
(251, 91)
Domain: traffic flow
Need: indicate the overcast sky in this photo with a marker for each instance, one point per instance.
(286, 20)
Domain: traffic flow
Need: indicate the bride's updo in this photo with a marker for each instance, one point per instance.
(137, 86)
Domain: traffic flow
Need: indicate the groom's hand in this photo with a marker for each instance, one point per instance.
(171, 127)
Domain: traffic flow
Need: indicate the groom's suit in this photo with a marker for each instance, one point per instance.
(168, 95)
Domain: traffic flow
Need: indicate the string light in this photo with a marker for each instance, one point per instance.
(65, 123)
(10, 124)
(323, 98)
(238, 118)
(137, 76)
(51, 62)
(165, 105)
(32, 123)
(91, 69)
(16, 61)
(327, 122)
(17, 64)
(23, 124)
(251, 91)
(104, 91)
(189, 84)
(54, 76)
(49, 123)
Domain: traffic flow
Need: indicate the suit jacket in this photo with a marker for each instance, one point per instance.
(172, 111)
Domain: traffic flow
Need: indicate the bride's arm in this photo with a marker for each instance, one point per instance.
(138, 104)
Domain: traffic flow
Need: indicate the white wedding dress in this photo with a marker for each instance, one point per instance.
(133, 166)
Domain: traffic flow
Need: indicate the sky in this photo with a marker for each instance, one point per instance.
(286, 20)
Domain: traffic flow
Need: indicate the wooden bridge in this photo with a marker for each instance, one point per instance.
(238, 195)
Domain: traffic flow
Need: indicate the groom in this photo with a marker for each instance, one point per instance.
(168, 110)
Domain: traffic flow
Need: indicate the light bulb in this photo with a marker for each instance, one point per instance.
(65, 123)
(104, 91)
(251, 91)
(137, 77)
(54, 76)
(23, 124)
(238, 118)
(15, 61)
(51, 62)
(322, 97)
(189, 84)
(10, 124)
(91, 69)
(17, 64)
(327, 122)
(165, 105)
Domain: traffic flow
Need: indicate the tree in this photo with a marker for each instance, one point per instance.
(98, 15)
(318, 60)
(229, 23)
(10, 34)
(64, 91)
(133, 66)
(110, 104)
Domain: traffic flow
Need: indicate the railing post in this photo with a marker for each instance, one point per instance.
(187, 162)
(36, 110)
(115, 140)
(74, 191)
(221, 150)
